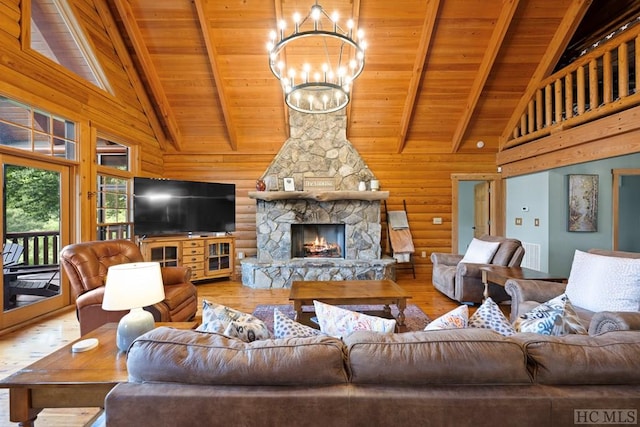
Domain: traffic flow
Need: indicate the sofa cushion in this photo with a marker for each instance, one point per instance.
(458, 318)
(457, 356)
(284, 327)
(339, 322)
(187, 356)
(231, 322)
(610, 358)
(554, 317)
(480, 251)
(604, 283)
(489, 316)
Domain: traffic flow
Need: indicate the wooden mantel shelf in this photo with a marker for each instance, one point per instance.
(320, 196)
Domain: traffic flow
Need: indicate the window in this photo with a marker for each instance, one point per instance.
(114, 200)
(26, 128)
(55, 33)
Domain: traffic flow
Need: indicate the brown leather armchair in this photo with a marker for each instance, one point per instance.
(463, 281)
(528, 294)
(86, 265)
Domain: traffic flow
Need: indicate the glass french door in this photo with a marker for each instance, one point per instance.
(35, 203)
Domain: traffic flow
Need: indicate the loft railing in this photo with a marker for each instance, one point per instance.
(41, 248)
(601, 82)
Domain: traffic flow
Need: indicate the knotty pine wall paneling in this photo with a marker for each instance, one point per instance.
(422, 180)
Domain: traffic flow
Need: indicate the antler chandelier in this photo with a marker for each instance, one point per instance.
(310, 84)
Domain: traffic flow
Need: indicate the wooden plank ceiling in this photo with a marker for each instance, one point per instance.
(440, 75)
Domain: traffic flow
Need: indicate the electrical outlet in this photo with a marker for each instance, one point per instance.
(437, 220)
(424, 254)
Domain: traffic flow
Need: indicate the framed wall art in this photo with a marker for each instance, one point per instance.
(289, 184)
(583, 203)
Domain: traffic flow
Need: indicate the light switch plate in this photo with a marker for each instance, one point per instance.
(518, 221)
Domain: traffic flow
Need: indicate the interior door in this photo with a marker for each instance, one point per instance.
(481, 223)
(34, 197)
(626, 210)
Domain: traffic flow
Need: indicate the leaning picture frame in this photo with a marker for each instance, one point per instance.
(583, 203)
(289, 184)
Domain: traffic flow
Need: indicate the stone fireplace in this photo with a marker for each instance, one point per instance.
(290, 224)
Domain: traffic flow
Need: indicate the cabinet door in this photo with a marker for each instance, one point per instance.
(166, 253)
(218, 261)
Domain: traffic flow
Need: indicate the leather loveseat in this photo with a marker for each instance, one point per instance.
(464, 377)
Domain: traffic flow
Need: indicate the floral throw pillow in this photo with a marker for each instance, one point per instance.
(489, 316)
(458, 318)
(339, 322)
(554, 317)
(284, 327)
(231, 322)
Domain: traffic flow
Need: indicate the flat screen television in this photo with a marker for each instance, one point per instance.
(166, 206)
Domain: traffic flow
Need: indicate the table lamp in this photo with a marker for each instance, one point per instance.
(131, 287)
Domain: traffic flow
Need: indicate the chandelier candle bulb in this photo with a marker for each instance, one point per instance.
(334, 45)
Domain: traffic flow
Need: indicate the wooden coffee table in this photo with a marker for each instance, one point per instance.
(349, 292)
(65, 379)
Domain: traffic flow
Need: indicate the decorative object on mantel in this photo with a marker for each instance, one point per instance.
(271, 181)
(320, 196)
(317, 87)
(375, 185)
(362, 186)
(289, 184)
(260, 185)
(319, 184)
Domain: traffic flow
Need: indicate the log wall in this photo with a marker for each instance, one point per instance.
(423, 181)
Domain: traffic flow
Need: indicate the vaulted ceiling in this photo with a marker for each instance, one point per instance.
(440, 75)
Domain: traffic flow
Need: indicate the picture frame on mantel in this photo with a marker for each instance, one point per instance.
(583, 203)
(289, 184)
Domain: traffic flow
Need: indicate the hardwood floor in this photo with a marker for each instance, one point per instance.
(20, 348)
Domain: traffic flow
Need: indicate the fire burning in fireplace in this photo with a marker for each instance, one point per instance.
(321, 248)
(317, 240)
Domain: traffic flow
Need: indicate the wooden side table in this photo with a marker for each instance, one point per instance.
(499, 275)
(64, 379)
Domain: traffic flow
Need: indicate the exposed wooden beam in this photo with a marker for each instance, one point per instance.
(556, 47)
(212, 53)
(130, 69)
(495, 43)
(418, 66)
(135, 35)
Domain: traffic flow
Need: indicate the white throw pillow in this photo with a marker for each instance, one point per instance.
(339, 322)
(604, 283)
(480, 251)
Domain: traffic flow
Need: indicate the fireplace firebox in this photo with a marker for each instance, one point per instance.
(317, 240)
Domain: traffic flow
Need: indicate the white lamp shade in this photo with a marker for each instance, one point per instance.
(133, 285)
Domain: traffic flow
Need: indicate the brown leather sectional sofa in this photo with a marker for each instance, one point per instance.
(466, 377)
